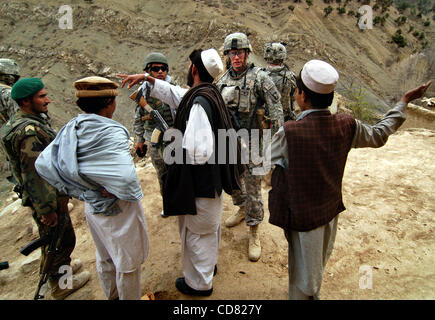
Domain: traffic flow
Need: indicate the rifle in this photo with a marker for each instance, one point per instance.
(52, 239)
(162, 126)
(234, 118)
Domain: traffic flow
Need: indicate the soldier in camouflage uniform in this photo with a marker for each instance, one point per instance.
(9, 74)
(284, 79)
(156, 65)
(23, 137)
(249, 93)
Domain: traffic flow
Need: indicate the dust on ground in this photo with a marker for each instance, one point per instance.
(384, 247)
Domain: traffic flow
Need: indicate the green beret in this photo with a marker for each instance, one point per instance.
(26, 87)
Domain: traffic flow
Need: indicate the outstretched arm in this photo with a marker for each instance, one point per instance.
(376, 136)
(133, 79)
(415, 93)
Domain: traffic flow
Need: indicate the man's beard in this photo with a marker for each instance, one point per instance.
(190, 77)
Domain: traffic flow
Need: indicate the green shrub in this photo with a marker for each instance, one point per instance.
(400, 20)
(327, 10)
(399, 39)
(341, 10)
(361, 108)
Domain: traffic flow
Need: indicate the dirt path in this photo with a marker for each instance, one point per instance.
(385, 238)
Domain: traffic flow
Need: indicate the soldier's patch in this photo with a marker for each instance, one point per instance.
(29, 128)
(275, 94)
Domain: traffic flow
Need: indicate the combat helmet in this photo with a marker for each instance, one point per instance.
(9, 66)
(155, 57)
(236, 41)
(9, 71)
(275, 52)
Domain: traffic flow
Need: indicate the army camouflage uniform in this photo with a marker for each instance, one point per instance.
(244, 94)
(8, 106)
(285, 81)
(143, 129)
(23, 137)
(9, 74)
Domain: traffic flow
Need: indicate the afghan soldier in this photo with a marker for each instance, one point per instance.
(9, 74)
(250, 95)
(156, 65)
(284, 79)
(23, 138)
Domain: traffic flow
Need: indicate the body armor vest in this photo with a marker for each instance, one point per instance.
(162, 108)
(240, 97)
(285, 82)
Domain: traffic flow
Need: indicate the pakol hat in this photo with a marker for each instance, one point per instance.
(94, 87)
(319, 76)
(212, 62)
(26, 87)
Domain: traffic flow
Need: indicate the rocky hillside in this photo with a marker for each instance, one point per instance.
(114, 36)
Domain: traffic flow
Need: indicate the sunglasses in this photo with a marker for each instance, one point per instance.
(238, 53)
(157, 69)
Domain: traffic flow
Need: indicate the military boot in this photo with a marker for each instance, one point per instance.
(236, 218)
(78, 281)
(76, 265)
(254, 249)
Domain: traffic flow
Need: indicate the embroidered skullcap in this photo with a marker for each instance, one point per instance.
(319, 76)
(212, 62)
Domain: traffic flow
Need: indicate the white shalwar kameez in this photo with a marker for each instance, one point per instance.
(200, 234)
(91, 151)
(121, 244)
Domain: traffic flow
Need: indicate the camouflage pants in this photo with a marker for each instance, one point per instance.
(250, 197)
(67, 244)
(156, 154)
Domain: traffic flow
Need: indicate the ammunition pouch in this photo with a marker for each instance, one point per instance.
(244, 100)
(156, 137)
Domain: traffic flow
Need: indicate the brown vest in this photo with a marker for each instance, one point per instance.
(308, 194)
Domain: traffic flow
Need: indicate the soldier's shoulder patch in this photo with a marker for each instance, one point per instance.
(29, 129)
(275, 94)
